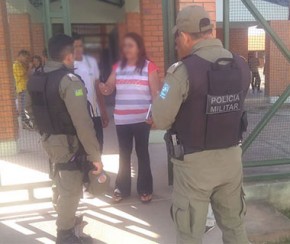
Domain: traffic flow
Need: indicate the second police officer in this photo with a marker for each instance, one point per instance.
(202, 106)
(57, 103)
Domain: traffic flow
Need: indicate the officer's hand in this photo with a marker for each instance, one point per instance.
(105, 89)
(149, 121)
(98, 168)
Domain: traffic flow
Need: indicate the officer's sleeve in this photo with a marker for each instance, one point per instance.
(175, 89)
(73, 92)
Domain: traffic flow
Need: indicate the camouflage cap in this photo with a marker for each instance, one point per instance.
(192, 19)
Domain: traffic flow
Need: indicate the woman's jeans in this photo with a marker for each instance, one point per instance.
(140, 133)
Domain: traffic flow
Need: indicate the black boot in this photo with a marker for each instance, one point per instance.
(67, 237)
(78, 230)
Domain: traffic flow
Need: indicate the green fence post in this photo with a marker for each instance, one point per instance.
(169, 14)
(66, 17)
(226, 23)
(265, 120)
(47, 20)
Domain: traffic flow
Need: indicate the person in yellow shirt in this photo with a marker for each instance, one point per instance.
(21, 73)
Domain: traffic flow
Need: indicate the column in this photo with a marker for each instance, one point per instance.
(8, 117)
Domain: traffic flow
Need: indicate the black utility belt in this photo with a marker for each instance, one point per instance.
(76, 163)
(70, 166)
(175, 148)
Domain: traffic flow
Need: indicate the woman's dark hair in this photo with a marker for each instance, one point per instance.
(38, 58)
(142, 56)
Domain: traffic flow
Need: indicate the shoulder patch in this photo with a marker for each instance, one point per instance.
(73, 77)
(79, 93)
(165, 90)
(173, 67)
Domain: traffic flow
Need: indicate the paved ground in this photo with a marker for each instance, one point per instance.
(131, 221)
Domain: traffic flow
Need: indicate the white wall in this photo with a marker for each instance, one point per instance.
(132, 5)
(81, 11)
(92, 11)
(23, 6)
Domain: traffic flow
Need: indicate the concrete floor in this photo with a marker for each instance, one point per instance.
(129, 221)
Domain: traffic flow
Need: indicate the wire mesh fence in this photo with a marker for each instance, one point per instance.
(22, 159)
(269, 74)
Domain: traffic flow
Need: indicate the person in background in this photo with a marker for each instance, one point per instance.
(21, 71)
(37, 64)
(87, 68)
(44, 56)
(136, 81)
(254, 64)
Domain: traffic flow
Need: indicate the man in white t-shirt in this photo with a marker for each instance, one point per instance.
(87, 68)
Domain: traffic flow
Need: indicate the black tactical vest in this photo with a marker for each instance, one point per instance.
(212, 116)
(49, 110)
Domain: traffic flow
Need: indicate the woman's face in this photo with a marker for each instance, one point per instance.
(130, 48)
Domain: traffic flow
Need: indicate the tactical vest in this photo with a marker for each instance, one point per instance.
(212, 116)
(49, 110)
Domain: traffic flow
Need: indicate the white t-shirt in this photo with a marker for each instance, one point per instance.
(88, 70)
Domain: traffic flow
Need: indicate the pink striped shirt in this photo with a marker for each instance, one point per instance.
(133, 96)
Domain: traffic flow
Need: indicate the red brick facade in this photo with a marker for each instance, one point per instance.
(37, 38)
(20, 33)
(25, 35)
(152, 28)
(277, 68)
(133, 22)
(238, 40)
(8, 121)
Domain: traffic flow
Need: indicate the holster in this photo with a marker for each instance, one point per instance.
(77, 162)
(174, 146)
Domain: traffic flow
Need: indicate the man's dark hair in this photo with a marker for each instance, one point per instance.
(24, 53)
(77, 37)
(59, 46)
(200, 34)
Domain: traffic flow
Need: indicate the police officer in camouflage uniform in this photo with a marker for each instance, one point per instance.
(57, 104)
(201, 106)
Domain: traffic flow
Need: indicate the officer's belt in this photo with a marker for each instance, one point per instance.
(71, 166)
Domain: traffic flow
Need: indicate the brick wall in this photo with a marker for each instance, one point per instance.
(20, 33)
(122, 30)
(37, 38)
(8, 122)
(152, 29)
(133, 22)
(277, 68)
(238, 40)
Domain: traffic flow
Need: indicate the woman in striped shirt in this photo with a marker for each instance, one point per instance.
(136, 81)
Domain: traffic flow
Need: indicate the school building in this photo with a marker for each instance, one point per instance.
(27, 24)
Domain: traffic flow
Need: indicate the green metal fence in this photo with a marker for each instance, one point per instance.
(266, 153)
(265, 149)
